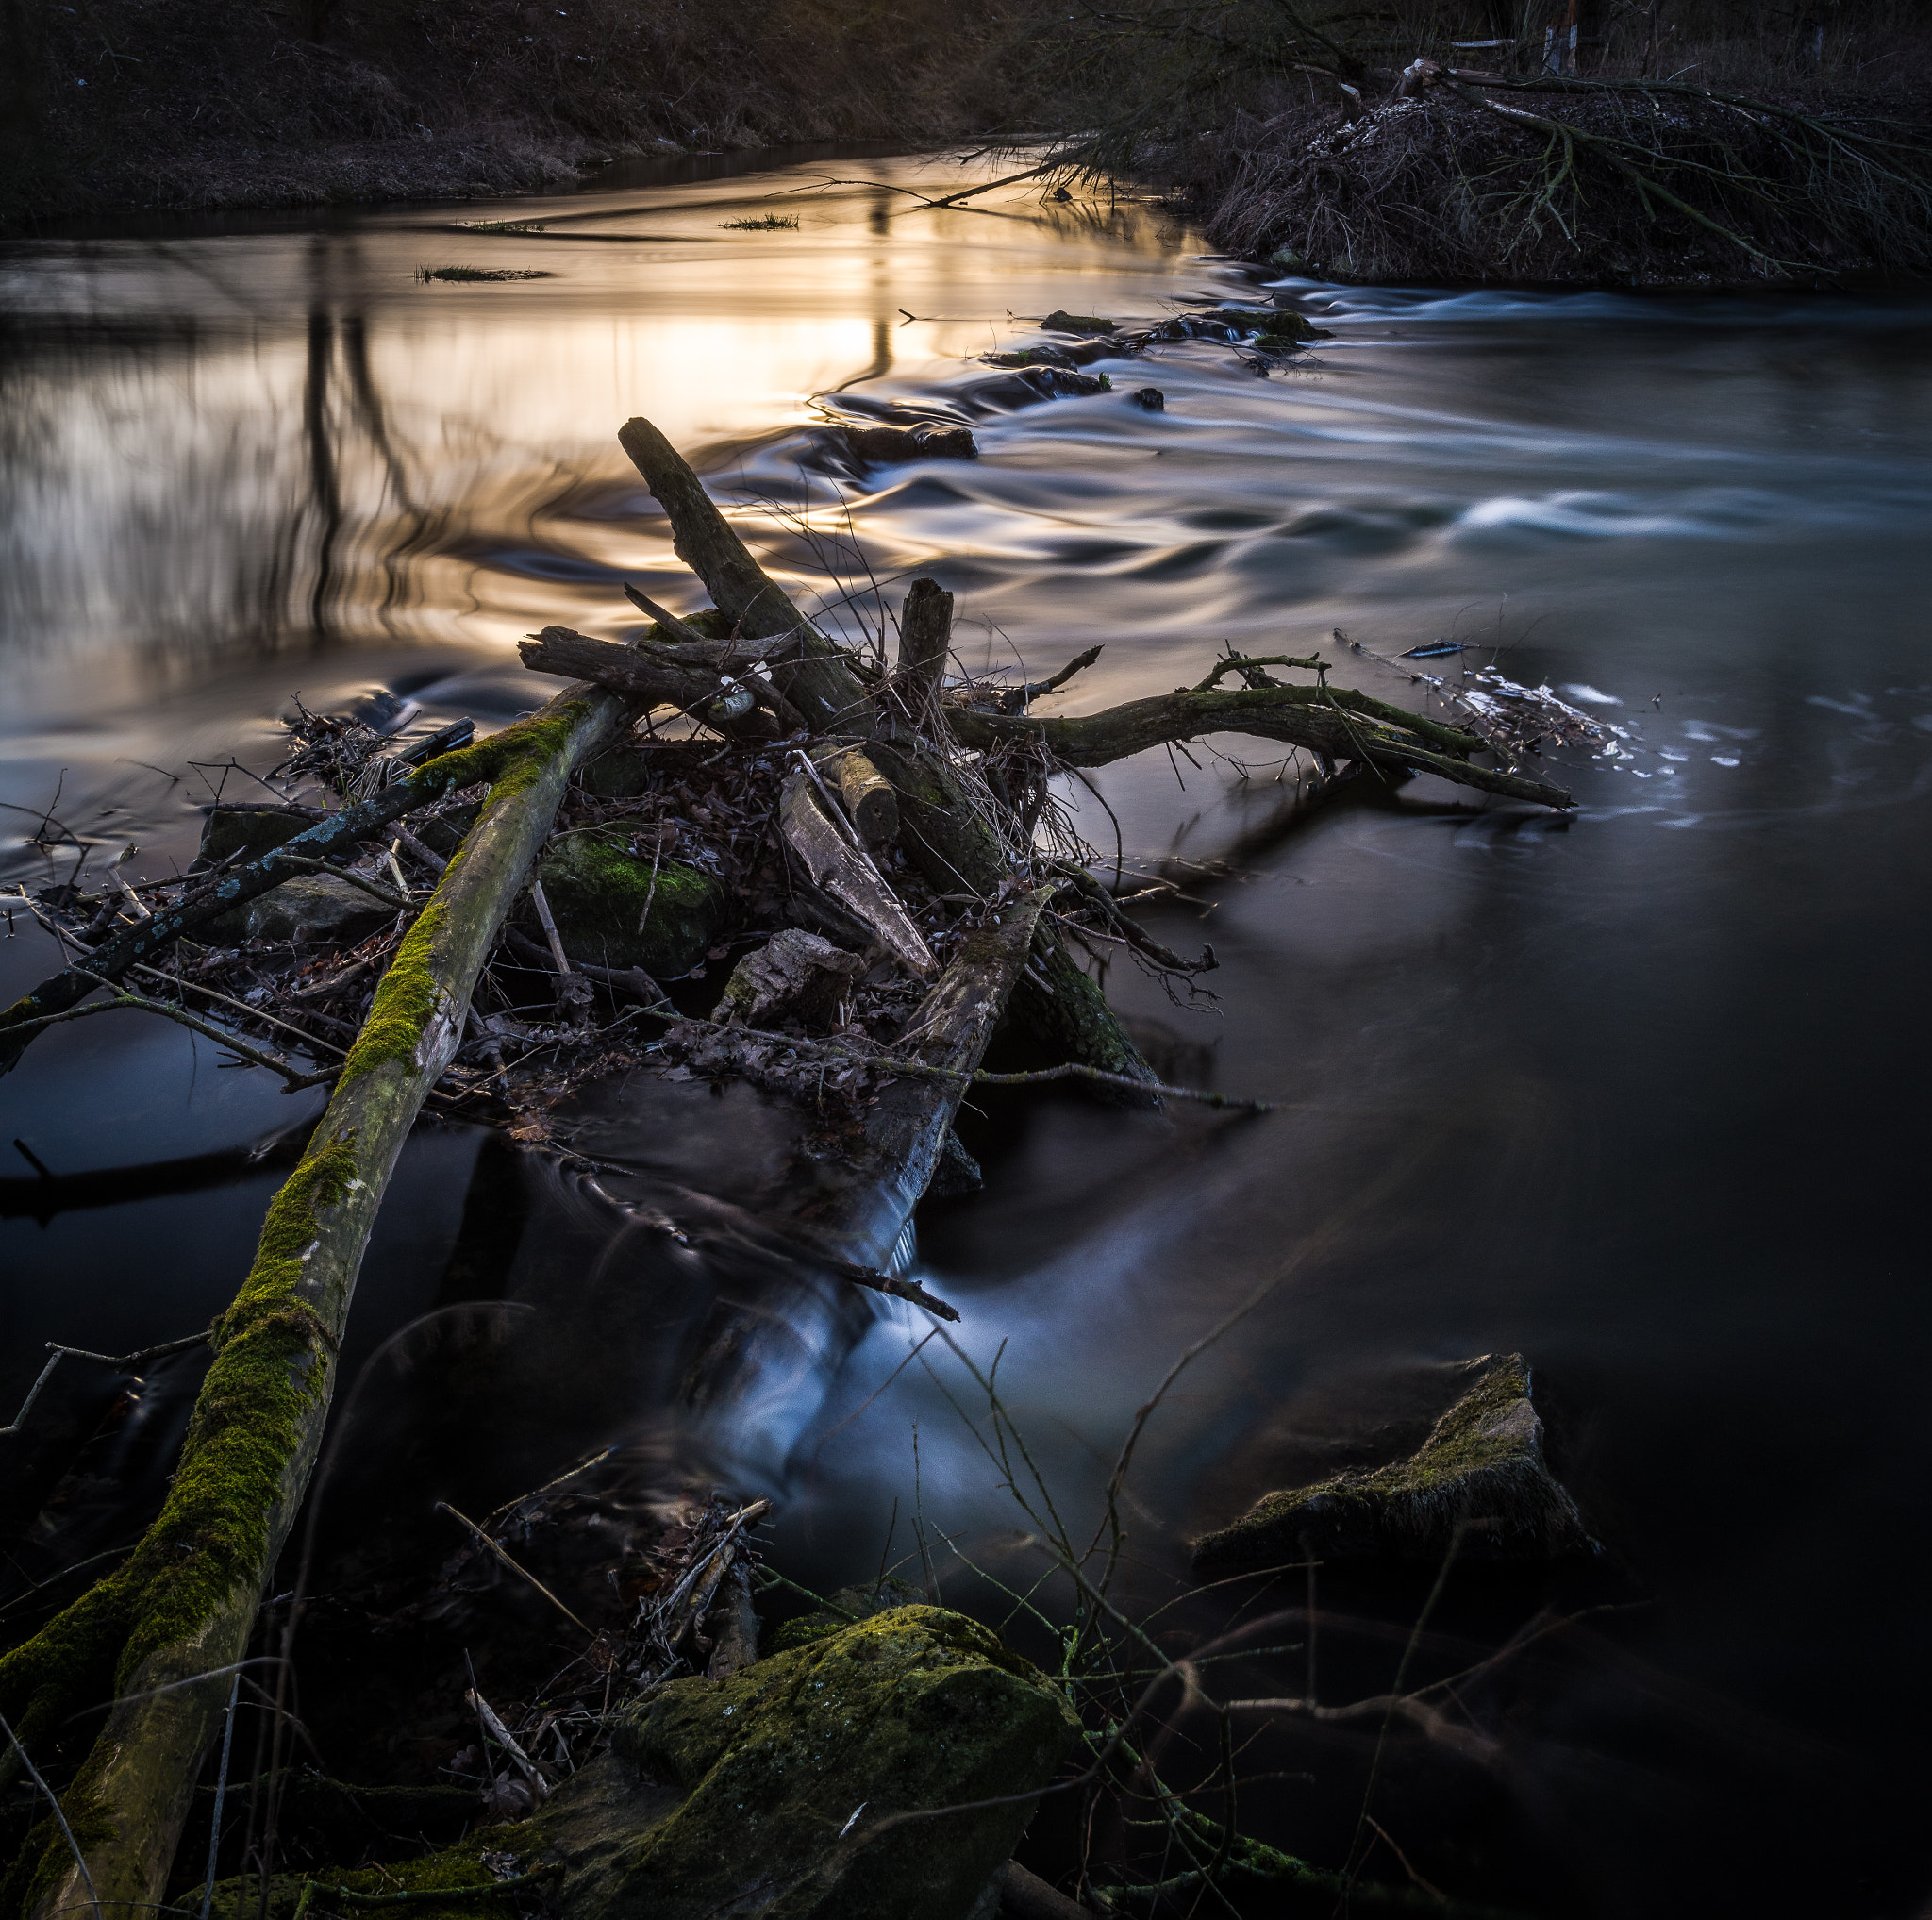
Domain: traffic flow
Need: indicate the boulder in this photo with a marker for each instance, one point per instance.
(599, 892)
(761, 1796)
(787, 1768)
(795, 975)
(1482, 1461)
(250, 832)
(1149, 399)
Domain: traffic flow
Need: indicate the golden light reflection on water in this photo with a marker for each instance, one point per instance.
(229, 446)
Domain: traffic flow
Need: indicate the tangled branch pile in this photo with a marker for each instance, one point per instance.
(1294, 136)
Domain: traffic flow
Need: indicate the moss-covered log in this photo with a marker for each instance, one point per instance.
(159, 1636)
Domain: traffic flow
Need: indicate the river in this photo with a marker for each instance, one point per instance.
(1631, 1093)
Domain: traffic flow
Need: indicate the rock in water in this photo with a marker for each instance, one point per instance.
(794, 976)
(1483, 1461)
(887, 445)
(1059, 320)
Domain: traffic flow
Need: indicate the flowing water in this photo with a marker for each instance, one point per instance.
(1632, 1092)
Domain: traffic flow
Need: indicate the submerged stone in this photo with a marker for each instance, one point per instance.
(610, 911)
(1149, 399)
(1057, 383)
(1482, 1463)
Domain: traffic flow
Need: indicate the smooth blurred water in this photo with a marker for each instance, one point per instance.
(1638, 1094)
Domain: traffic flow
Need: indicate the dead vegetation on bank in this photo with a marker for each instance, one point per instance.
(1692, 145)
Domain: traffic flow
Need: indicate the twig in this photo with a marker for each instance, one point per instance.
(523, 1573)
(119, 1362)
(505, 1739)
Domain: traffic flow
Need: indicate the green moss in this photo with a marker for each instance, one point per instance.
(271, 1353)
(913, 1709)
(272, 1357)
(406, 1000)
(44, 1856)
(849, 1604)
(599, 892)
(457, 1870)
(511, 760)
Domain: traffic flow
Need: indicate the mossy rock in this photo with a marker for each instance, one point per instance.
(913, 1709)
(598, 891)
(1482, 1462)
(738, 1795)
(1059, 320)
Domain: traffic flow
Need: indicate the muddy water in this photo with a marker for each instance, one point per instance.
(1636, 1093)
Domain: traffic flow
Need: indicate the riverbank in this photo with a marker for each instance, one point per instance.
(195, 106)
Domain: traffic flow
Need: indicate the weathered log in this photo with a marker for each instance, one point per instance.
(822, 683)
(926, 637)
(868, 797)
(857, 1210)
(954, 844)
(690, 676)
(161, 1636)
(1337, 723)
(840, 868)
(488, 759)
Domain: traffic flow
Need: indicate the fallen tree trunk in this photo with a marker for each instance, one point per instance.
(161, 1636)
(857, 1209)
(486, 761)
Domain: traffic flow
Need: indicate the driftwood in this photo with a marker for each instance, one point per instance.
(867, 796)
(1334, 723)
(822, 683)
(162, 1635)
